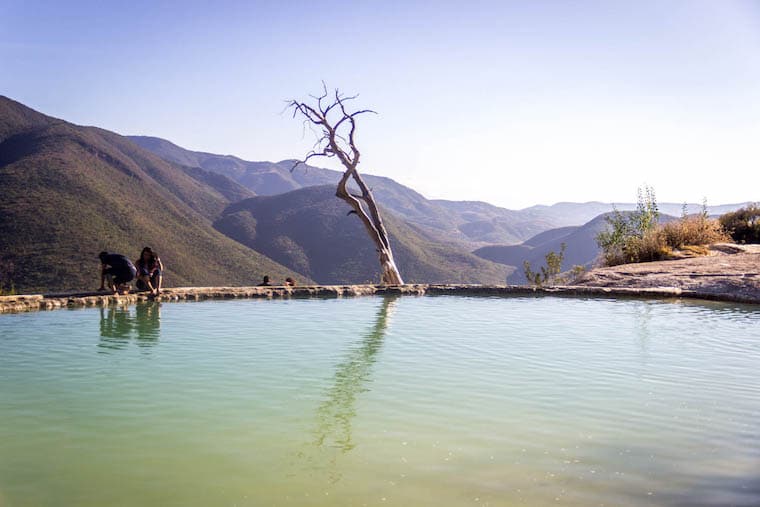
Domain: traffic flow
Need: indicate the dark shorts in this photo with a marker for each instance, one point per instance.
(121, 275)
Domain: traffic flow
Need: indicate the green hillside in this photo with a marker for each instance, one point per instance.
(70, 192)
(309, 231)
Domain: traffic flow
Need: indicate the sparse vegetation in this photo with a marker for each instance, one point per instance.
(7, 286)
(548, 274)
(10, 291)
(693, 230)
(743, 224)
(638, 236)
(552, 274)
(575, 272)
(632, 237)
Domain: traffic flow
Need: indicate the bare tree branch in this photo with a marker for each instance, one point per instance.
(337, 138)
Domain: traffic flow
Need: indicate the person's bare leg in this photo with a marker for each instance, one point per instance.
(106, 277)
(102, 279)
(146, 280)
(159, 281)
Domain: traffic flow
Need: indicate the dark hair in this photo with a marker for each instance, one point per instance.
(152, 259)
(102, 255)
(266, 278)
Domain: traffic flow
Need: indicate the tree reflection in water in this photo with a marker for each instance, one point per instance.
(119, 325)
(333, 434)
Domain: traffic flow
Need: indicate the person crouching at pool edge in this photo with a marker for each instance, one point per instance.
(118, 270)
(266, 282)
(149, 271)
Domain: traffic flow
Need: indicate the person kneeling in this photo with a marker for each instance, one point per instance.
(117, 270)
(149, 272)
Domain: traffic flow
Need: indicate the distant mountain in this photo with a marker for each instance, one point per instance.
(550, 235)
(572, 213)
(580, 241)
(70, 192)
(263, 178)
(484, 223)
(470, 223)
(309, 231)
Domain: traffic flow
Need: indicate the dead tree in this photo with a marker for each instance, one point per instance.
(336, 129)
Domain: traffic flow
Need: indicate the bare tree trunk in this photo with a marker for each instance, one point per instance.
(334, 144)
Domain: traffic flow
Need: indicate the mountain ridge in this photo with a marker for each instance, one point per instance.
(72, 191)
(472, 223)
(310, 230)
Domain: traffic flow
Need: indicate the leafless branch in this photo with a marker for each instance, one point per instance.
(334, 142)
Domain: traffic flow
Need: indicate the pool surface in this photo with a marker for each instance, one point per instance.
(411, 401)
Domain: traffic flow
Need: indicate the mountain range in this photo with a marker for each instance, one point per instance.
(310, 231)
(472, 223)
(72, 191)
(581, 248)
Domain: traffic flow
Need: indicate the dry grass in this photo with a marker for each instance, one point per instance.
(695, 250)
(652, 246)
(681, 238)
(693, 231)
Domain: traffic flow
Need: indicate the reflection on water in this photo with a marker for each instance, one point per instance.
(119, 325)
(642, 315)
(321, 402)
(332, 435)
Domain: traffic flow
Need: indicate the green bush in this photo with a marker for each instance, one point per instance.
(637, 236)
(631, 236)
(550, 272)
(743, 224)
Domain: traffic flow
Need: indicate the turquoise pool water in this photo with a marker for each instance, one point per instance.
(416, 401)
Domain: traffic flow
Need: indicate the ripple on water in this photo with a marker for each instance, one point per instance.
(414, 400)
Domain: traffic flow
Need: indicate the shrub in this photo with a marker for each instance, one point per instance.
(629, 239)
(637, 237)
(743, 224)
(693, 230)
(549, 273)
(650, 246)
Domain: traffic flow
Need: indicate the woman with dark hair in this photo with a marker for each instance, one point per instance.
(149, 271)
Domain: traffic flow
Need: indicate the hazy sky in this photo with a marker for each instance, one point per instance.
(515, 103)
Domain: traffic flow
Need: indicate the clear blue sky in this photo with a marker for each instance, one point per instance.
(516, 103)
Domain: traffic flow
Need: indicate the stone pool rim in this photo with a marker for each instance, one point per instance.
(52, 301)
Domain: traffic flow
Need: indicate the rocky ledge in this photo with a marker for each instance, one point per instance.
(13, 304)
(730, 272)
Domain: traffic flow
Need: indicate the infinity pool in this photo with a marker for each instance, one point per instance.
(416, 401)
